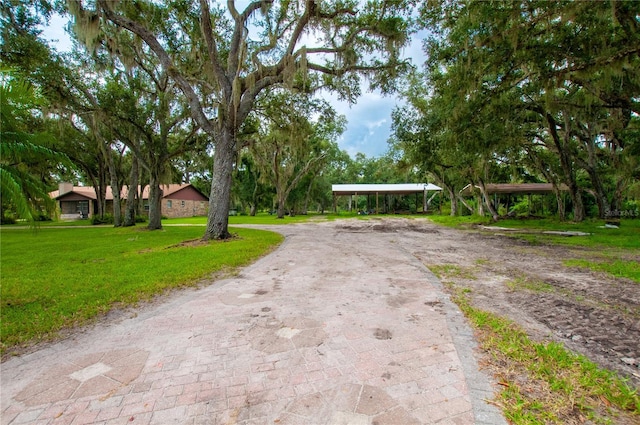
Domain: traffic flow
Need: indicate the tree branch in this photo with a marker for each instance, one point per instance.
(212, 48)
(166, 62)
(236, 39)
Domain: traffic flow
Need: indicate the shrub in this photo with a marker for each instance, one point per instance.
(141, 219)
(520, 208)
(105, 219)
(7, 220)
(43, 217)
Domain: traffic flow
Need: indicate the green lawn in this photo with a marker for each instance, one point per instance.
(614, 251)
(54, 278)
(627, 236)
(261, 218)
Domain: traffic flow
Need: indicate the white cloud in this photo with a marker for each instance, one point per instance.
(368, 123)
(373, 125)
(369, 120)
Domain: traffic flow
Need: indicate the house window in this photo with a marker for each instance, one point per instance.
(169, 203)
(83, 208)
(183, 203)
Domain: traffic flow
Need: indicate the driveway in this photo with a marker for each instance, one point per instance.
(340, 325)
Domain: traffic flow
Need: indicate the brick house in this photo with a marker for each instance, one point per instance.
(178, 200)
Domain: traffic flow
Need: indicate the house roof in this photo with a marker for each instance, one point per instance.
(90, 193)
(514, 188)
(396, 189)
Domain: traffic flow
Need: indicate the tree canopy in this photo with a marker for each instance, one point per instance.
(223, 59)
(548, 88)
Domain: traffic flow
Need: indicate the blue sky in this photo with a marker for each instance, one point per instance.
(369, 120)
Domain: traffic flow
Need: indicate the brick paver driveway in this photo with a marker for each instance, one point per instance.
(340, 325)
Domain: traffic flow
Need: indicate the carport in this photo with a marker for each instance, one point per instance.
(510, 189)
(384, 190)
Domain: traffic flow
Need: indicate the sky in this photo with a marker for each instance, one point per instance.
(369, 120)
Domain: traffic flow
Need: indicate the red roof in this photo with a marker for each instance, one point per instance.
(90, 193)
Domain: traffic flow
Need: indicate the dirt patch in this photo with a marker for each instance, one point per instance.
(594, 314)
(192, 243)
(382, 334)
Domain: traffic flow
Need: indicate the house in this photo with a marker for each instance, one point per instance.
(178, 200)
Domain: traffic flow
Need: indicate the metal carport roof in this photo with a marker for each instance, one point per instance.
(514, 188)
(395, 189)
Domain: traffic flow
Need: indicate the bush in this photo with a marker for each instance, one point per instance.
(521, 208)
(105, 219)
(141, 219)
(7, 220)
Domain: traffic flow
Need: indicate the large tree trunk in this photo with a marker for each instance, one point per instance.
(616, 202)
(101, 191)
(115, 186)
(454, 201)
(591, 167)
(567, 167)
(281, 203)
(130, 206)
(560, 201)
(576, 199)
(487, 200)
(307, 198)
(219, 199)
(155, 203)
(563, 150)
(254, 199)
(599, 192)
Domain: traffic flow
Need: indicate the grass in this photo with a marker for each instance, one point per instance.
(448, 271)
(261, 218)
(533, 285)
(617, 268)
(543, 382)
(609, 244)
(57, 278)
(459, 221)
(627, 236)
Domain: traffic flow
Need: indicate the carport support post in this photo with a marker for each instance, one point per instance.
(377, 204)
(424, 201)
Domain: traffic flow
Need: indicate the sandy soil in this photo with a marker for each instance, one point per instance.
(591, 313)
